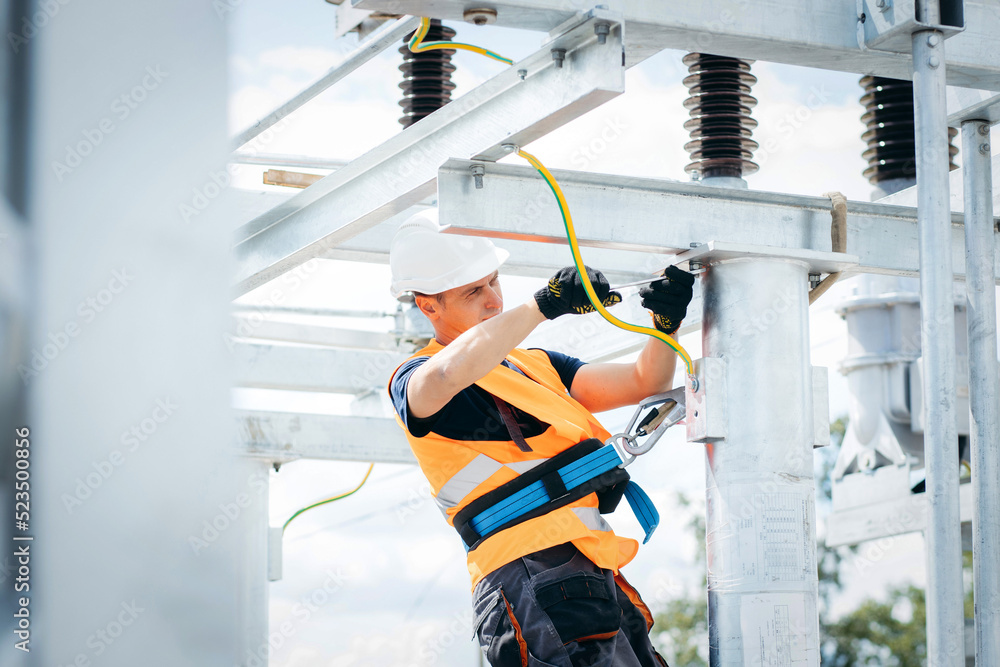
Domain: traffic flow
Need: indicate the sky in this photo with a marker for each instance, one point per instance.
(402, 591)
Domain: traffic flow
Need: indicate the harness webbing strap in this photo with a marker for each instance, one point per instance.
(552, 489)
(643, 509)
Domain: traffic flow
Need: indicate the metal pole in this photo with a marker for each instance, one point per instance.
(279, 160)
(241, 309)
(381, 39)
(760, 509)
(984, 388)
(945, 614)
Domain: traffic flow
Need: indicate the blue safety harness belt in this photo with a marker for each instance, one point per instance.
(594, 471)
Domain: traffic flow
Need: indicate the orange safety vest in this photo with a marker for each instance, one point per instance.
(460, 471)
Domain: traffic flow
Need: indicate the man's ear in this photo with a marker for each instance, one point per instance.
(429, 306)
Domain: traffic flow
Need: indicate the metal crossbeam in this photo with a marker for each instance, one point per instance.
(402, 171)
(282, 160)
(968, 104)
(299, 368)
(644, 214)
(526, 259)
(908, 196)
(287, 436)
(907, 514)
(249, 326)
(813, 33)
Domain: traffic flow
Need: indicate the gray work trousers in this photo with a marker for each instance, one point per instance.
(555, 608)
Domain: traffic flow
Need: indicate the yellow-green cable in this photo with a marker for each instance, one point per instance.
(331, 499)
(578, 260)
(425, 23)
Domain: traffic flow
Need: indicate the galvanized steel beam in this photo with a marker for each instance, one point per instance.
(299, 368)
(287, 436)
(811, 33)
(282, 160)
(984, 390)
(526, 258)
(651, 215)
(968, 104)
(402, 171)
(249, 326)
(898, 516)
(956, 180)
(945, 617)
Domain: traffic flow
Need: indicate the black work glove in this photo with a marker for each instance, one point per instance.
(668, 298)
(565, 293)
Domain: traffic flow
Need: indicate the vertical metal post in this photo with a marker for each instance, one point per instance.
(945, 617)
(984, 387)
(254, 588)
(760, 504)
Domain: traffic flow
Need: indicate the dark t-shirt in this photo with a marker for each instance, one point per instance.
(472, 414)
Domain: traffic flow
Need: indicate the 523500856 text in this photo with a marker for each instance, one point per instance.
(22, 542)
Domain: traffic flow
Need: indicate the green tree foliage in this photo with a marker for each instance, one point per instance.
(684, 639)
(683, 624)
(889, 632)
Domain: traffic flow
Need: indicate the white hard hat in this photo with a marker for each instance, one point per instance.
(424, 260)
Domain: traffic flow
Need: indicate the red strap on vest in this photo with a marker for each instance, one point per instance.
(512, 427)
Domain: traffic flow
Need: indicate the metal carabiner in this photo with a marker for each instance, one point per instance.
(668, 409)
(622, 443)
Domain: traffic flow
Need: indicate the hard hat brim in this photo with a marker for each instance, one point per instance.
(464, 275)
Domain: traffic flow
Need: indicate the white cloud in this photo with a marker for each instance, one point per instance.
(240, 66)
(808, 145)
(311, 61)
(638, 133)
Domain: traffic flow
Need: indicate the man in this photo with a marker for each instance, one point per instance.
(487, 420)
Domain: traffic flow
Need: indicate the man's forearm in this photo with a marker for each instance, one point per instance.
(655, 367)
(601, 387)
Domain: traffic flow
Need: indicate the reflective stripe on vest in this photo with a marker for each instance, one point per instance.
(460, 471)
(475, 473)
(592, 519)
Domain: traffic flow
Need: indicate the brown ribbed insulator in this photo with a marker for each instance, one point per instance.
(720, 125)
(890, 135)
(427, 81)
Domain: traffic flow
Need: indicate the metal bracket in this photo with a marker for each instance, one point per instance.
(888, 25)
(818, 261)
(706, 408)
(349, 19)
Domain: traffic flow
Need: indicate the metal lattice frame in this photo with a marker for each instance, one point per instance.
(861, 37)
